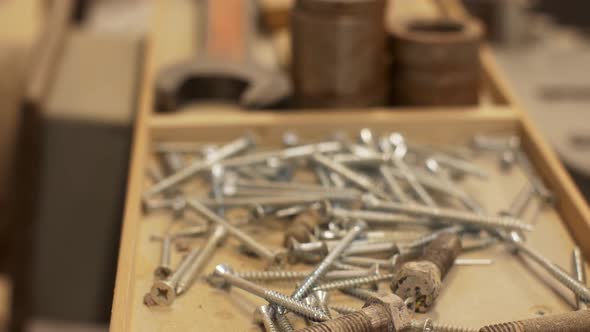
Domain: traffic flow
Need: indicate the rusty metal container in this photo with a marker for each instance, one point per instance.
(436, 62)
(339, 55)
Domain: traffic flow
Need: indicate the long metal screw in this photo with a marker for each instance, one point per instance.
(187, 279)
(558, 273)
(223, 277)
(461, 166)
(580, 273)
(399, 152)
(360, 293)
(163, 292)
(253, 245)
(223, 152)
(350, 283)
(449, 215)
(376, 217)
(325, 264)
(352, 176)
(263, 315)
(428, 325)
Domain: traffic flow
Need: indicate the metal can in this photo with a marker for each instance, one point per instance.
(339, 53)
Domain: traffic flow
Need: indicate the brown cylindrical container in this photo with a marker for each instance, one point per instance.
(436, 62)
(339, 55)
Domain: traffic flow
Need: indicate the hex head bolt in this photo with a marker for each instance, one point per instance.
(357, 179)
(575, 321)
(579, 264)
(422, 279)
(452, 216)
(263, 315)
(384, 313)
(250, 243)
(557, 272)
(223, 152)
(223, 277)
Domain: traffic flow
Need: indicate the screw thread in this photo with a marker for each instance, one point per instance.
(354, 322)
(271, 275)
(505, 327)
(363, 294)
(343, 310)
(465, 218)
(350, 283)
(575, 286)
(283, 323)
(295, 306)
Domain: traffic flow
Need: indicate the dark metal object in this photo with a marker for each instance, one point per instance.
(436, 62)
(339, 57)
(422, 279)
(385, 313)
(224, 70)
(576, 321)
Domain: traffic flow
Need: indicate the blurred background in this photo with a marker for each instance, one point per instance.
(70, 75)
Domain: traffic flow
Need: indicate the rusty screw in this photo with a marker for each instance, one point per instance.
(422, 279)
(576, 321)
(385, 313)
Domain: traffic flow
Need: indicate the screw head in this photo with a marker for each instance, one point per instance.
(162, 272)
(163, 292)
(217, 278)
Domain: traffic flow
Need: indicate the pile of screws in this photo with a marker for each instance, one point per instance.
(381, 219)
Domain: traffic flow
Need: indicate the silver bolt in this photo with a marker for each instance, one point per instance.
(223, 277)
(361, 293)
(428, 325)
(452, 216)
(375, 217)
(580, 273)
(223, 152)
(366, 262)
(187, 279)
(163, 292)
(557, 272)
(358, 179)
(245, 239)
(394, 187)
(351, 283)
(263, 315)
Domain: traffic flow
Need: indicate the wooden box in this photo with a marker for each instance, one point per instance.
(474, 296)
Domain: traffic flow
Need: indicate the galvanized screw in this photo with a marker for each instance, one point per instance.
(223, 277)
(263, 315)
(164, 269)
(186, 280)
(351, 283)
(558, 273)
(163, 292)
(245, 239)
(449, 215)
